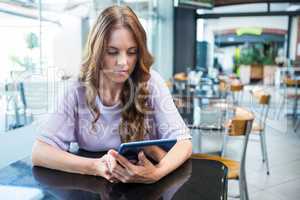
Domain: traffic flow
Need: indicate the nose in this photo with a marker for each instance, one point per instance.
(122, 59)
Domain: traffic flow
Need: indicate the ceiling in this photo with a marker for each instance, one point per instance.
(234, 2)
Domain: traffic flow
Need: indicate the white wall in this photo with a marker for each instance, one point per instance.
(293, 43)
(164, 40)
(226, 58)
(67, 45)
(212, 25)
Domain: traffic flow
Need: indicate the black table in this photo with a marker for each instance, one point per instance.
(195, 179)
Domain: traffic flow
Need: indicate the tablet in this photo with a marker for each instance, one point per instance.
(130, 150)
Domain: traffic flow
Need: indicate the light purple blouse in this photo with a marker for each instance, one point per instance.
(72, 120)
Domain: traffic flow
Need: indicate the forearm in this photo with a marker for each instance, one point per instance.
(47, 156)
(174, 158)
(155, 152)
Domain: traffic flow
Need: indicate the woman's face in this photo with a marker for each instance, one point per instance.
(120, 55)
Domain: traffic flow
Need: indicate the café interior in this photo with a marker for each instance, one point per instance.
(231, 66)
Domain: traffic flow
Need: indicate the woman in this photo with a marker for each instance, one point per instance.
(117, 99)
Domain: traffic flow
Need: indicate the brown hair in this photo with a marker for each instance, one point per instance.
(133, 124)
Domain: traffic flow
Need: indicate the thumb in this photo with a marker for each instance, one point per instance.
(142, 158)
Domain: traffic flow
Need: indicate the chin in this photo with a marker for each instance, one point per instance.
(120, 79)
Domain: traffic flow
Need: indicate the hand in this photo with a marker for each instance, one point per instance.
(126, 172)
(101, 168)
(155, 152)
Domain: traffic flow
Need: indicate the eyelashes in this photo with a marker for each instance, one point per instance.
(115, 53)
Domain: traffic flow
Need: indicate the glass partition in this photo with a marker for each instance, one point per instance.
(42, 44)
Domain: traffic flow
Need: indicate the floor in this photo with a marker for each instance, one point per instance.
(283, 145)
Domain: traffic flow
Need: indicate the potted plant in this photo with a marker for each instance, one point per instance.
(243, 60)
(269, 64)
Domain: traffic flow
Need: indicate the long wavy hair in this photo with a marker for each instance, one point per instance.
(134, 95)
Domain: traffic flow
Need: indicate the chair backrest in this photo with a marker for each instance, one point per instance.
(291, 82)
(241, 125)
(12, 89)
(222, 86)
(263, 98)
(180, 76)
(236, 87)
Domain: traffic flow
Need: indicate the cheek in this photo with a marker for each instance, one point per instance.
(109, 61)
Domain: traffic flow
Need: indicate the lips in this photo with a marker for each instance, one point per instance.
(122, 71)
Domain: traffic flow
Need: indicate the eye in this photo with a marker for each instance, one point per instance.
(112, 52)
(132, 52)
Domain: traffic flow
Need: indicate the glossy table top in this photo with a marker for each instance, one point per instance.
(195, 179)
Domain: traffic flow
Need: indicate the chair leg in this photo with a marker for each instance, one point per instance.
(246, 189)
(243, 186)
(262, 148)
(265, 151)
(6, 122)
(223, 150)
(280, 108)
(297, 125)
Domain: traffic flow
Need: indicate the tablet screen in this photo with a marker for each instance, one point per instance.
(130, 150)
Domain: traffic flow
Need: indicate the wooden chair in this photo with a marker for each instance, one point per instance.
(223, 88)
(240, 125)
(236, 89)
(262, 99)
(180, 76)
(180, 82)
(293, 96)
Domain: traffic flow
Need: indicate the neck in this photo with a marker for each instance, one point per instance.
(109, 91)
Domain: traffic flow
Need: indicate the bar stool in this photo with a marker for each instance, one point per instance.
(294, 96)
(263, 100)
(239, 125)
(236, 89)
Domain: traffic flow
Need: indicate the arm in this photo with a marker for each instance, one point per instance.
(145, 171)
(155, 152)
(58, 132)
(50, 157)
(174, 158)
(168, 124)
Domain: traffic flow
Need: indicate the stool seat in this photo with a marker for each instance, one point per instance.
(233, 166)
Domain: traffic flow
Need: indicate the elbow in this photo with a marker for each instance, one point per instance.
(35, 155)
(187, 145)
(190, 148)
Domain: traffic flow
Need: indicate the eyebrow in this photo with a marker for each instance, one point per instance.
(130, 48)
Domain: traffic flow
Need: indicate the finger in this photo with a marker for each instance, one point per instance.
(114, 180)
(115, 167)
(112, 163)
(143, 159)
(120, 170)
(122, 160)
(121, 177)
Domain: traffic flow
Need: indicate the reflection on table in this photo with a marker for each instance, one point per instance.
(195, 179)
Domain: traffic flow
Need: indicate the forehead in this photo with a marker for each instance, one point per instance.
(121, 37)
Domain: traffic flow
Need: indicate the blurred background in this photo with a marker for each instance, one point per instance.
(202, 48)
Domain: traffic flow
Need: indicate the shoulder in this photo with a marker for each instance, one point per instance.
(155, 76)
(157, 86)
(72, 89)
(155, 80)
